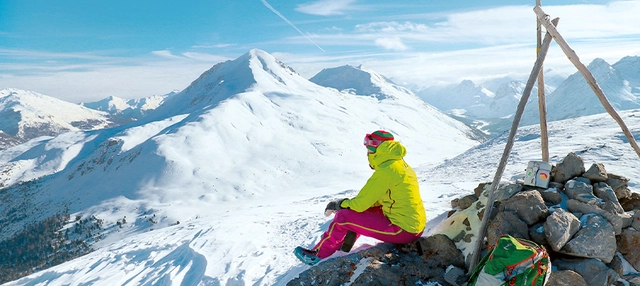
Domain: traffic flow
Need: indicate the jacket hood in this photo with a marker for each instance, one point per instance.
(388, 150)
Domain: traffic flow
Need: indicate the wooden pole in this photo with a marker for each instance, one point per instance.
(507, 149)
(542, 104)
(573, 57)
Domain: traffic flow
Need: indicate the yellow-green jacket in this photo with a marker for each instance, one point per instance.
(394, 186)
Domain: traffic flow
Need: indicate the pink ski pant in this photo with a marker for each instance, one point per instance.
(372, 223)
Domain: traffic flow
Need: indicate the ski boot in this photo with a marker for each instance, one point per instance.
(306, 256)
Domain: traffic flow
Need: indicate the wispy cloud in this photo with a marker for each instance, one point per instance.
(44, 55)
(391, 27)
(215, 46)
(326, 7)
(289, 22)
(395, 44)
(165, 54)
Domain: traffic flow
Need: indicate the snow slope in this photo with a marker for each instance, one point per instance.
(250, 149)
(250, 242)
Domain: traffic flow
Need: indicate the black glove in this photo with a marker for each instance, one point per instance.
(333, 206)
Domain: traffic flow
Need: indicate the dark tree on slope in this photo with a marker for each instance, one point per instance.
(44, 244)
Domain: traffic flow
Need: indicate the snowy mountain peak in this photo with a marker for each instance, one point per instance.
(359, 81)
(513, 88)
(255, 69)
(575, 98)
(347, 78)
(629, 68)
(111, 104)
(600, 68)
(27, 114)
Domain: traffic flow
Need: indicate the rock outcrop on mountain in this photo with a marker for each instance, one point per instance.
(587, 219)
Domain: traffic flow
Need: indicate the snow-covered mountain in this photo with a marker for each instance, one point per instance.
(492, 109)
(465, 98)
(488, 111)
(26, 115)
(181, 196)
(133, 108)
(575, 98)
(359, 81)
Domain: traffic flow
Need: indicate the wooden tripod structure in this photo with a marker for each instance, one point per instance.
(552, 32)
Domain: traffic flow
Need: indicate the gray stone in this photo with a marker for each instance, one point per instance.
(596, 173)
(505, 190)
(529, 206)
(560, 228)
(566, 278)
(629, 246)
(481, 188)
(575, 206)
(466, 201)
(454, 203)
(634, 280)
(610, 201)
(386, 264)
(536, 233)
(583, 179)
(636, 220)
(627, 219)
(594, 271)
(581, 191)
(616, 264)
(455, 276)
(622, 192)
(596, 239)
(571, 166)
(617, 181)
(631, 202)
(506, 222)
(556, 185)
(551, 196)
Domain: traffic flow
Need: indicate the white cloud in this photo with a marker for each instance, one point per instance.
(394, 44)
(165, 54)
(214, 46)
(326, 7)
(391, 27)
(205, 57)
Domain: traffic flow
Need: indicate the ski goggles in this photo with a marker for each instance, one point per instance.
(370, 142)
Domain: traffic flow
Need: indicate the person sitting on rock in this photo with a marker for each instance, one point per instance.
(388, 208)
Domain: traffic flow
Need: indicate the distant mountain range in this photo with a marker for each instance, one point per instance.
(130, 109)
(487, 107)
(493, 110)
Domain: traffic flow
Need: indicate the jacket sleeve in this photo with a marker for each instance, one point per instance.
(368, 196)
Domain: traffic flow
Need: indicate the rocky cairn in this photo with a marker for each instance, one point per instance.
(587, 219)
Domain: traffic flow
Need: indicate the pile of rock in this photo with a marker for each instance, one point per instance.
(586, 219)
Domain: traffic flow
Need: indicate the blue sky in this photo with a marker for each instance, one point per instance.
(87, 50)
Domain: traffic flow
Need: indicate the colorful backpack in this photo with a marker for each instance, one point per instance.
(512, 262)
